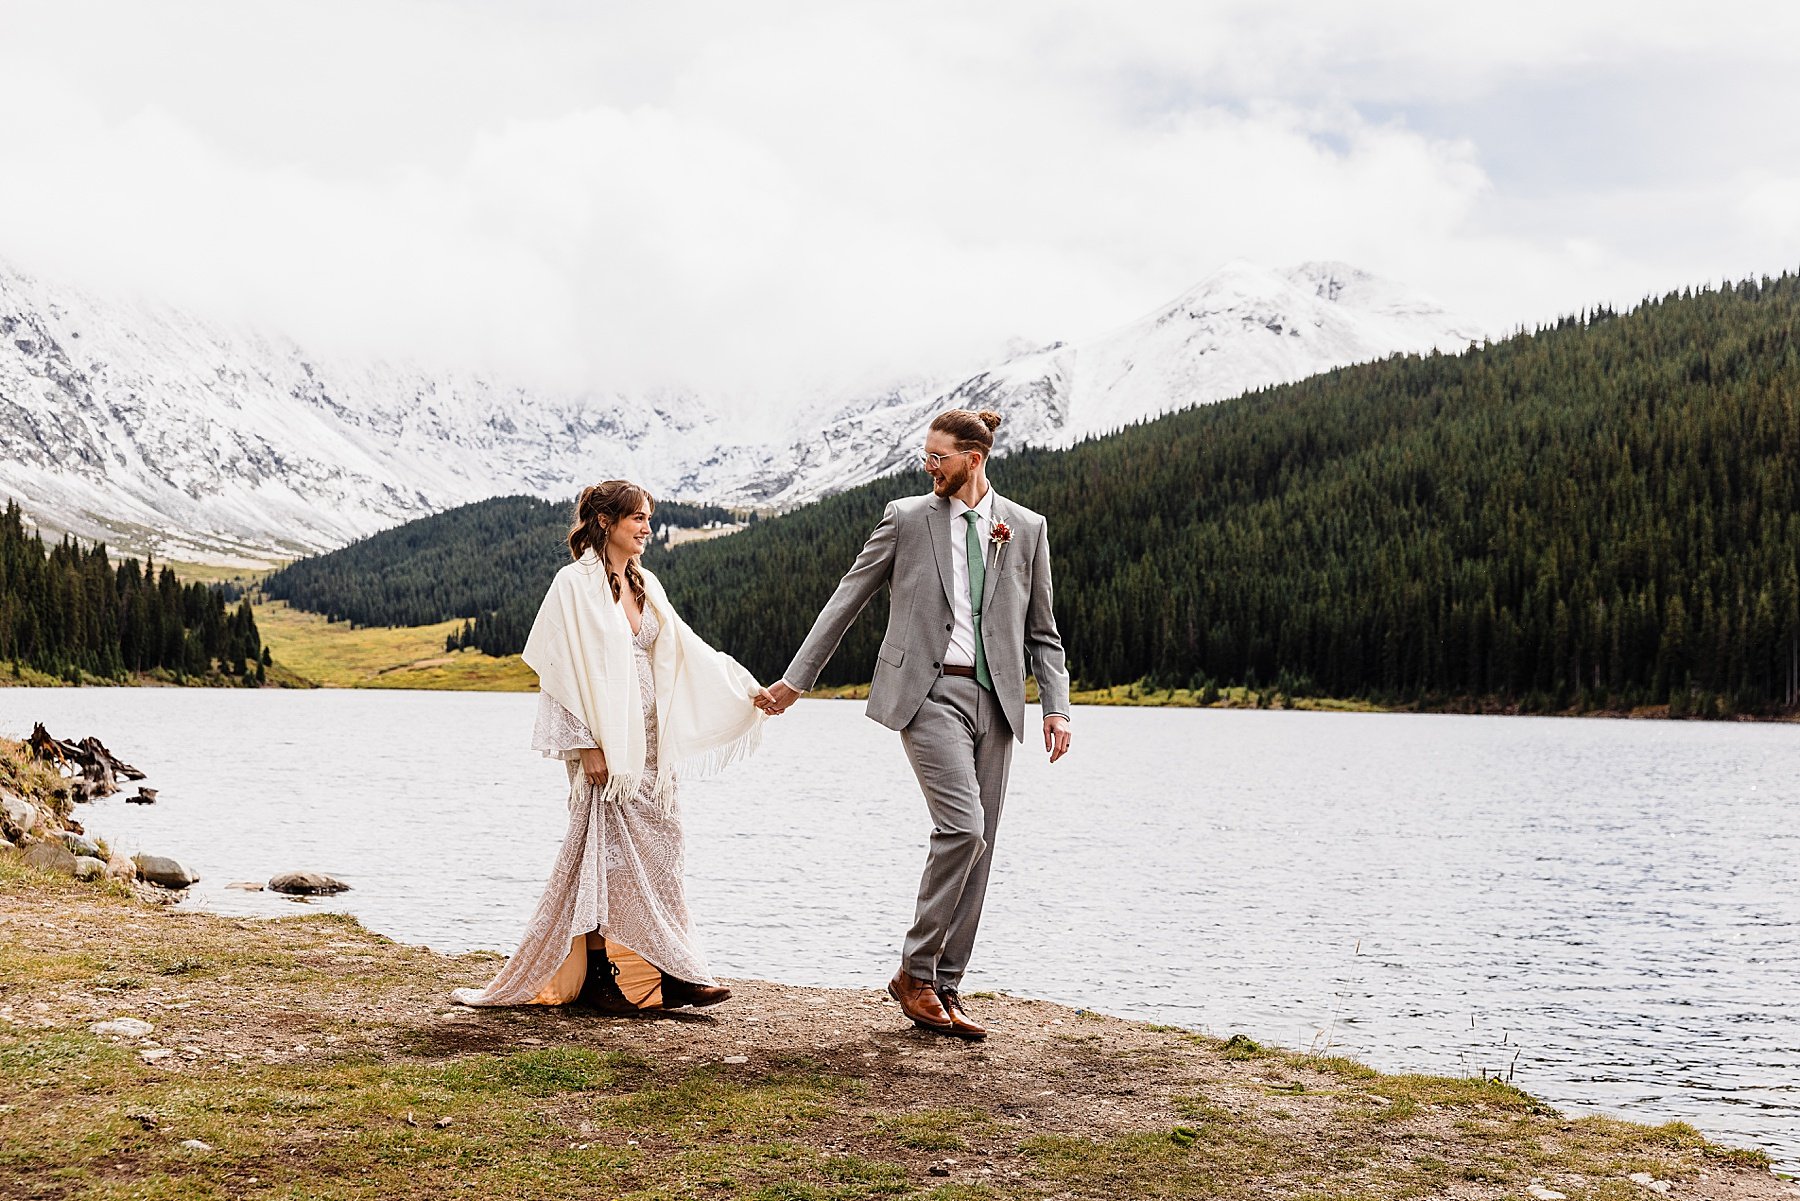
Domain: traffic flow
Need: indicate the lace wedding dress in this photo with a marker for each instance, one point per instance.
(619, 872)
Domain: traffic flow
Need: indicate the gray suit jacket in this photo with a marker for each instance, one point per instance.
(911, 549)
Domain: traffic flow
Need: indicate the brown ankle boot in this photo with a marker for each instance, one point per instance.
(919, 1002)
(600, 991)
(677, 992)
(961, 1024)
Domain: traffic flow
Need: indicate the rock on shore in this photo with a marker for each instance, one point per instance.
(307, 884)
(18, 816)
(81, 844)
(164, 871)
(51, 856)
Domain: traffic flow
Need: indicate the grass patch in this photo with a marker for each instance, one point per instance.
(533, 1073)
(936, 1129)
(22, 675)
(1141, 694)
(709, 1104)
(1463, 1093)
(24, 775)
(1234, 697)
(335, 655)
(1241, 1046)
(1331, 1065)
(213, 573)
(1149, 1164)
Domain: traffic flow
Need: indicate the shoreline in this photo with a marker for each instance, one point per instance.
(308, 1053)
(510, 675)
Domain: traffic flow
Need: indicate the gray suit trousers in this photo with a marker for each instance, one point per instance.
(961, 749)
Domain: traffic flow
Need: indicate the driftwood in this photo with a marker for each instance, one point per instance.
(92, 769)
(145, 796)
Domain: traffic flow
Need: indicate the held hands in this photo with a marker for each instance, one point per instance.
(593, 766)
(775, 699)
(1056, 736)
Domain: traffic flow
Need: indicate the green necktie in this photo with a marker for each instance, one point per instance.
(977, 578)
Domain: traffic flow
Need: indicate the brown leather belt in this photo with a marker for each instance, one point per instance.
(957, 669)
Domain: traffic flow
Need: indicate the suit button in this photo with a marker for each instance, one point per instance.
(936, 666)
(951, 626)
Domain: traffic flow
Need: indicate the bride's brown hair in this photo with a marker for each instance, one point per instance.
(596, 510)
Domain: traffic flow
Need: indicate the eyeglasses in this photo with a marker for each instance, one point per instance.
(934, 461)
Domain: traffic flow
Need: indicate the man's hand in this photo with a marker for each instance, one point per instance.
(1056, 736)
(593, 766)
(775, 699)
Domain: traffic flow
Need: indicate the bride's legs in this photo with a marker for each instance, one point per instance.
(619, 980)
(638, 978)
(648, 986)
(600, 989)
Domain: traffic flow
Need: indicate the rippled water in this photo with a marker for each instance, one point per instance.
(1605, 909)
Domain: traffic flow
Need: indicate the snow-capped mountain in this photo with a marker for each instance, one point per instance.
(1244, 327)
(151, 428)
(155, 429)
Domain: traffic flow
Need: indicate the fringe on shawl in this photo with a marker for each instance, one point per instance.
(711, 763)
(621, 787)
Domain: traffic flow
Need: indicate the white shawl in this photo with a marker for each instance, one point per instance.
(580, 647)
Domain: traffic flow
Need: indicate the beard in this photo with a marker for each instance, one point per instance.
(950, 482)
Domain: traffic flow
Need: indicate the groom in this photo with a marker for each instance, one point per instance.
(970, 572)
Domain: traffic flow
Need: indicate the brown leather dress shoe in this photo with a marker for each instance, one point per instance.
(961, 1024)
(919, 1002)
(677, 992)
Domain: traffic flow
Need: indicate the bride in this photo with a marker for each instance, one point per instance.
(629, 696)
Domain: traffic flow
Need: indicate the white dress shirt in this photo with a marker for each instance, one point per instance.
(961, 651)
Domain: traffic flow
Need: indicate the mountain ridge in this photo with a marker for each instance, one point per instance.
(150, 428)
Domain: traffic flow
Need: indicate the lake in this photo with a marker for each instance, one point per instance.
(1605, 911)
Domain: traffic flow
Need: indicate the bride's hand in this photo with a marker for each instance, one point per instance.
(593, 766)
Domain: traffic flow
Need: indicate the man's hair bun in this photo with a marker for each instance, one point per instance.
(972, 430)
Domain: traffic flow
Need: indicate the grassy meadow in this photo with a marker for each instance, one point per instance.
(1141, 694)
(331, 654)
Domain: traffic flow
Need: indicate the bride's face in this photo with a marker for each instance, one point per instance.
(629, 535)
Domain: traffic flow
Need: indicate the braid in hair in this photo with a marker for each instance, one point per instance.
(633, 577)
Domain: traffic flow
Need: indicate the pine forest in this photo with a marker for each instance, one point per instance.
(68, 611)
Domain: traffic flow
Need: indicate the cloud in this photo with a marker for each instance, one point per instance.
(767, 201)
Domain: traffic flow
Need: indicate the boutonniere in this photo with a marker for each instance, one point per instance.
(1002, 534)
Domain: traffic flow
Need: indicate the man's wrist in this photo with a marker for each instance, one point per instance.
(1048, 716)
(783, 681)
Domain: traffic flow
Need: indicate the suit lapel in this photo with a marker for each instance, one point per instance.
(941, 534)
(994, 555)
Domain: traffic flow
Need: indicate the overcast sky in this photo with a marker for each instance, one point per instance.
(754, 195)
